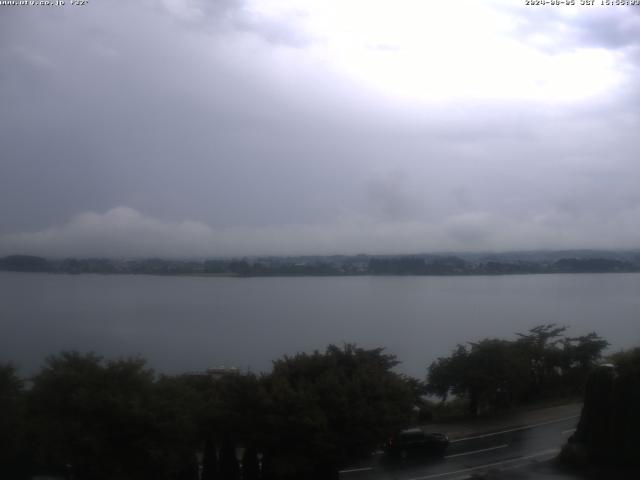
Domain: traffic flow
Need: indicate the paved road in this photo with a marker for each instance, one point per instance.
(504, 450)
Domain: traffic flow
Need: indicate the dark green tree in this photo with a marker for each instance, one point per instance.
(607, 432)
(104, 420)
(13, 452)
(250, 467)
(541, 347)
(210, 467)
(489, 374)
(328, 407)
(229, 467)
(176, 405)
(493, 374)
(585, 351)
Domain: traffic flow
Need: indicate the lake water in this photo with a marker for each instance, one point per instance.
(191, 323)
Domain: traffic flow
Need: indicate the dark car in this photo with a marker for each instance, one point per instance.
(414, 443)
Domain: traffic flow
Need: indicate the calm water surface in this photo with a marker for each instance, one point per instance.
(191, 323)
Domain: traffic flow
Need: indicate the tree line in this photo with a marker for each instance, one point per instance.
(495, 373)
(338, 265)
(85, 417)
(607, 433)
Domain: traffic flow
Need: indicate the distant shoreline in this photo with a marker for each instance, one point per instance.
(336, 275)
(337, 265)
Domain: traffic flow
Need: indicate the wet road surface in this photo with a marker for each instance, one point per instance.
(504, 450)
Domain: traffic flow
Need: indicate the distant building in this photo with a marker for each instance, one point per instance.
(216, 373)
(219, 372)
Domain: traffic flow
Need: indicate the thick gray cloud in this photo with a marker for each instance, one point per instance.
(236, 128)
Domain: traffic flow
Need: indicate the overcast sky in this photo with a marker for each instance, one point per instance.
(201, 127)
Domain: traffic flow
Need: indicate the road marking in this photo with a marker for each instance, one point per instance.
(515, 467)
(526, 427)
(559, 420)
(354, 470)
(477, 451)
(488, 465)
